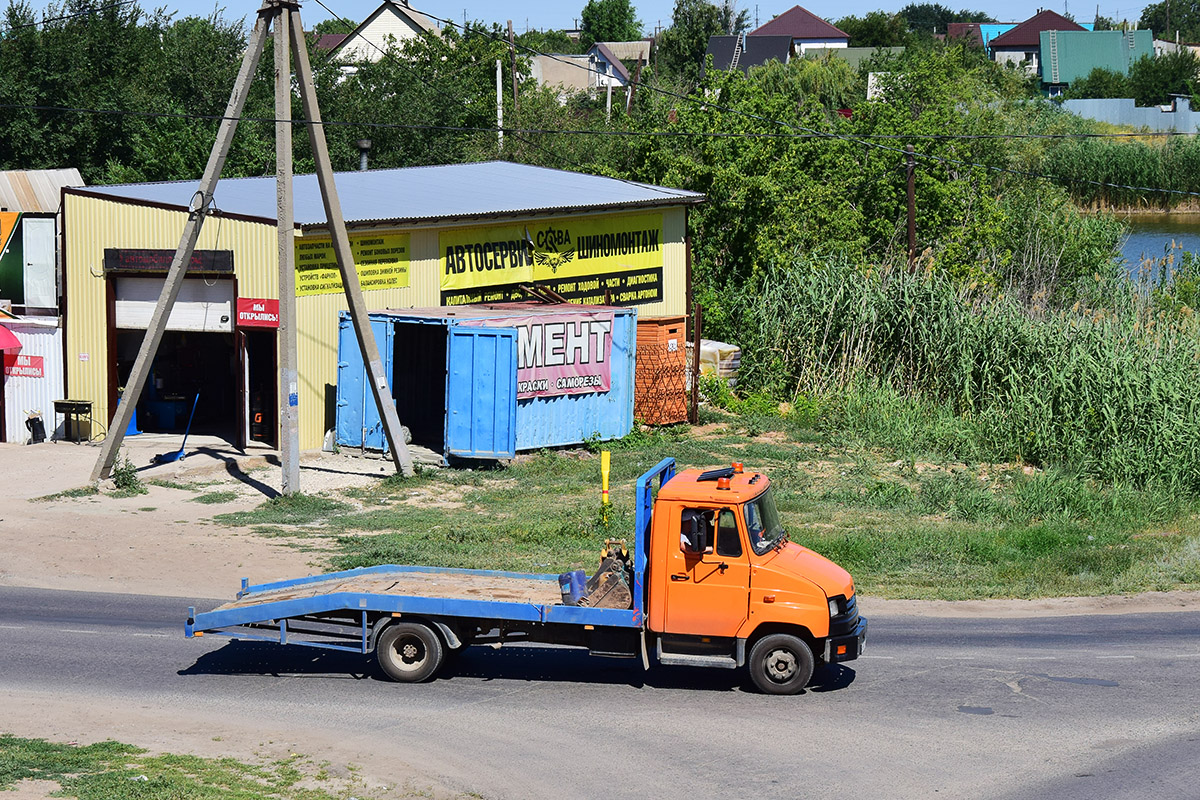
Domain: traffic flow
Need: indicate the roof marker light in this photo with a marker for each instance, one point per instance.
(738, 469)
(723, 484)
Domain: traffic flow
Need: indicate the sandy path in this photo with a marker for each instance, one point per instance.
(160, 543)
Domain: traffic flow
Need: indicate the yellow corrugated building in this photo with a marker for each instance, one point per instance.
(423, 236)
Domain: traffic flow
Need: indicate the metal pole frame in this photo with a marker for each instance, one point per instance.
(199, 210)
(345, 258)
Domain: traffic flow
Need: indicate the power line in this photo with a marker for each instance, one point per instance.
(84, 13)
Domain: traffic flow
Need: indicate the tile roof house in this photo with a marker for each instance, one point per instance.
(1023, 45)
(805, 28)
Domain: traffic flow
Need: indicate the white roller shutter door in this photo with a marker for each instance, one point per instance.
(202, 305)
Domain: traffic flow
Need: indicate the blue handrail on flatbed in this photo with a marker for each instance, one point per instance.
(276, 612)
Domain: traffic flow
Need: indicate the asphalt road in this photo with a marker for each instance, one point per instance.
(1061, 707)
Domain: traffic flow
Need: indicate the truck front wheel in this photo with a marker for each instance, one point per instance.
(409, 652)
(780, 664)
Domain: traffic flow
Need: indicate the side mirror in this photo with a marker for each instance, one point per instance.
(694, 533)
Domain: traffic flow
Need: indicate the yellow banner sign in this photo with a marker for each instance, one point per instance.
(381, 260)
(550, 251)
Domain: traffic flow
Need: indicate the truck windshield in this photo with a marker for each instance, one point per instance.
(762, 523)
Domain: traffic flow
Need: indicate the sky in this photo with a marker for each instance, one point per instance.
(558, 14)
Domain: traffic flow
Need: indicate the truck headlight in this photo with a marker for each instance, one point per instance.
(834, 608)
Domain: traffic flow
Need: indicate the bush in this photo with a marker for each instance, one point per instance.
(126, 479)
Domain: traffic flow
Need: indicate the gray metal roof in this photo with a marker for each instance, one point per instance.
(415, 194)
(35, 190)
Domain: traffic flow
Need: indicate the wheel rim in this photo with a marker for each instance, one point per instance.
(781, 665)
(408, 653)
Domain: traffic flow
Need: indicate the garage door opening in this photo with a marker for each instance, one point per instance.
(189, 365)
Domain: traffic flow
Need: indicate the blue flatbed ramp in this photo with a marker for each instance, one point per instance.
(394, 589)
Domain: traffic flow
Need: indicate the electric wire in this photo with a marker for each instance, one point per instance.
(84, 13)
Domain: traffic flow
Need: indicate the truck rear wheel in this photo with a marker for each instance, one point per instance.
(780, 664)
(409, 652)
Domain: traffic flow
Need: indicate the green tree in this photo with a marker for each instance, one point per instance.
(933, 18)
(1100, 83)
(610, 21)
(547, 42)
(1104, 23)
(875, 29)
(731, 19)
(1155, 79)
(1167, 17)
(681, 47)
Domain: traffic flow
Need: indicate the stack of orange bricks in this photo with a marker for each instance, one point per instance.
(660, 373)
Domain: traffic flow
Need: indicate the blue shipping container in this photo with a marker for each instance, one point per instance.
(455, 384)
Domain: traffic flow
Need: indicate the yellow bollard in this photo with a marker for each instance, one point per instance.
(605, 460)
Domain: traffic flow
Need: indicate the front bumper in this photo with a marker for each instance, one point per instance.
(847, 647)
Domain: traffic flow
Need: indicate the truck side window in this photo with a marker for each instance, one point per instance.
(728, 541)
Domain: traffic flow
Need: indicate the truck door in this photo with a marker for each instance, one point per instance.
(708, 574)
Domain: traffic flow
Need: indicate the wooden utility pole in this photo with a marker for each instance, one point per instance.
(286, 17)
(910, 168)
(288, 394)
(200, 208)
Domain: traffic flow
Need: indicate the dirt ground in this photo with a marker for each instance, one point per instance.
(165, 543)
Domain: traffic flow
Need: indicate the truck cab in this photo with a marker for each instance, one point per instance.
(727, 588)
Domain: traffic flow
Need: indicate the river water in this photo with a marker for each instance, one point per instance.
(1151, 234)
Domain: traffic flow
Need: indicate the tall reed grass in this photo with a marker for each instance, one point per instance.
(1106, 388)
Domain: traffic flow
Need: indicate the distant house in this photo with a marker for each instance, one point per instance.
(393, 22)
(805, 29)
(1068, 56)
(598, 68)
(743, 51)
(978, 33)
(1023, 45)
(631, 51)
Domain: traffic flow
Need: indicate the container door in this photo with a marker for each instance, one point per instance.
(359, 423)
(351, 387)
(481, 392)
(373, 435)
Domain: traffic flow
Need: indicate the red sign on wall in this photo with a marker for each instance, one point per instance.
(19, 366)
(255, 313)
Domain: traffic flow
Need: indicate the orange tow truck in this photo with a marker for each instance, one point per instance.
(712, 580)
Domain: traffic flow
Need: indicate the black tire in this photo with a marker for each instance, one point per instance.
(409, 652)
(780, 664)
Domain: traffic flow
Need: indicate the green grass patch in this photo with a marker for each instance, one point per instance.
(904, 528)
(68, 494)
(184, 486)
(114, 771)
(214, 498)
(295, 509)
